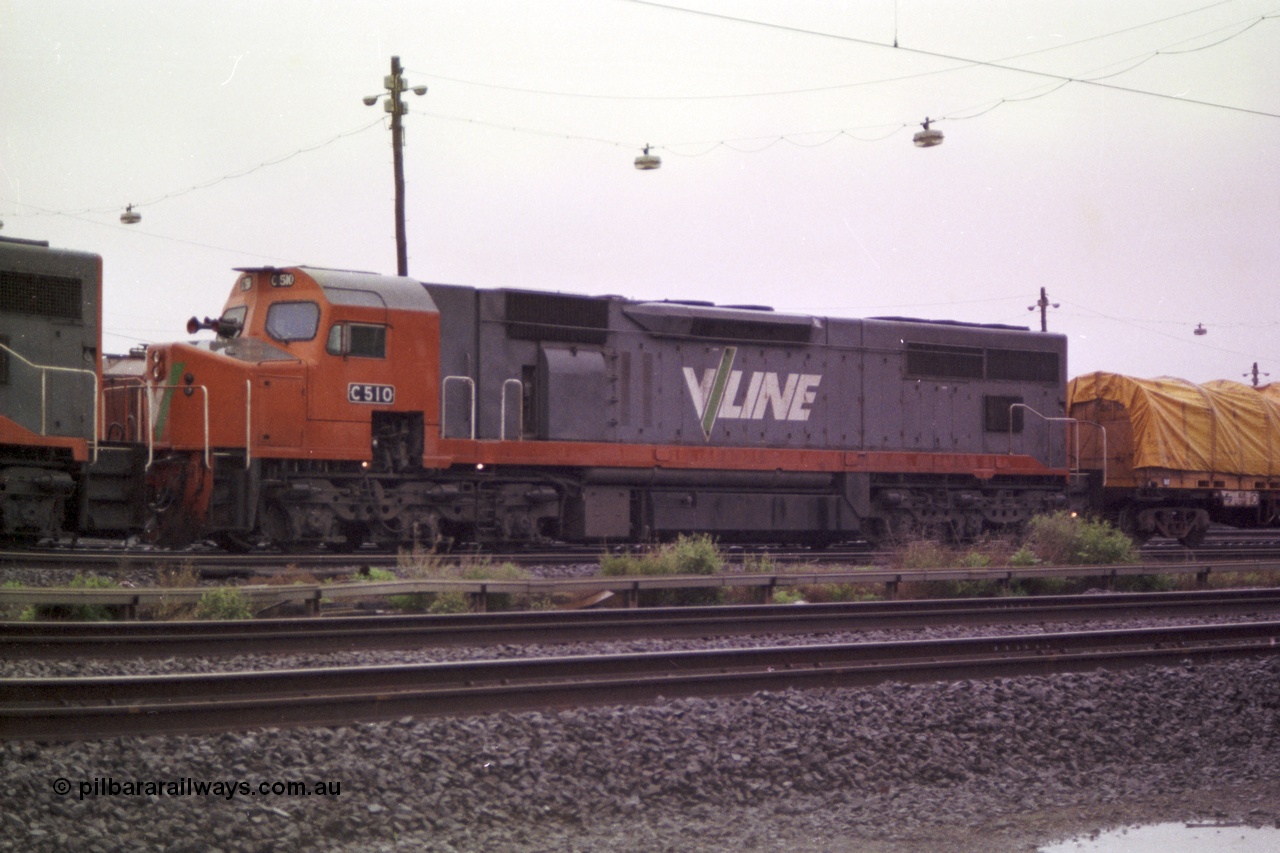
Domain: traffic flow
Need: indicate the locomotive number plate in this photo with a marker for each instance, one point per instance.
(363, 392)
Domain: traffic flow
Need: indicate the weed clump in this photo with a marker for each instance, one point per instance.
(182, 576)
(688, 555)
(223, 602)
(1068, 540)
(75, 612)
(427, 564)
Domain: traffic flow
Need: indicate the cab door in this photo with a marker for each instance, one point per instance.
(277, 398)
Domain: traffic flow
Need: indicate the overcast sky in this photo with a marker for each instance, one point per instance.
(1146, 202)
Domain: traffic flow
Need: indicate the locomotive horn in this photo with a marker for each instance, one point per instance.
(224, 328)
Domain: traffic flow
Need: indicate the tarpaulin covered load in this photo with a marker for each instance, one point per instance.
(1219, 427)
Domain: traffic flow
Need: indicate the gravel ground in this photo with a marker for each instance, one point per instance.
(976, 765)
(133, 575)
(999, 765)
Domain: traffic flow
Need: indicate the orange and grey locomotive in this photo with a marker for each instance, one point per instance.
(339, 408)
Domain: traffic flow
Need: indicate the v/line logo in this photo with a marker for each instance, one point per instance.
(719, 394)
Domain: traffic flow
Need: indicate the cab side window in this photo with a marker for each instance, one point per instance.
(363, 340)
(231, 324)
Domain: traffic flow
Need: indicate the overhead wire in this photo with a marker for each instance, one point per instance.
(1180, 338)
(227, 177)
(770, 141)
(995, 64)
(751, 144)
(964, 64)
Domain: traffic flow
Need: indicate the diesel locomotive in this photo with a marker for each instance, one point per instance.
(336, 408)
(339, 408)
(50, 401)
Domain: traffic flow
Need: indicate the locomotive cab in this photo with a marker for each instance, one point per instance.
(309, 364)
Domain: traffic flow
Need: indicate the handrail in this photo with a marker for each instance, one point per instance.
(44, 393)
(1075, 435)
(502, 429)
(1047, 419)
(248, 422)
(471, 387)
(133, 410)
(151, 420)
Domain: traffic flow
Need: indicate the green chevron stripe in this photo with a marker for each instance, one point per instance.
(162, 417)
(712, 411)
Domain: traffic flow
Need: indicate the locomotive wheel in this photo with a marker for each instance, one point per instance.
(276, 528)
(354, 535)
(236, 543)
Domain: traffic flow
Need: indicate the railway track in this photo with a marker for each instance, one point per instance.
(214, 564)
(80, 708)
(47, 640)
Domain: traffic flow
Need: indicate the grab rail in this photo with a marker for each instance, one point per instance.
(502, 429)
(471, 393)
(1075, 434)
(152, 418)
(44, 393)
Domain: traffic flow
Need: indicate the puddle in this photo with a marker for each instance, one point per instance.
(1174, 838)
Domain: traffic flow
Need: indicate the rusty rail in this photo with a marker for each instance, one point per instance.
(89, 708)
(65, 640)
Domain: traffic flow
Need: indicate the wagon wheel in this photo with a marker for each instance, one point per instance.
(1194, 537)
(1127, 521)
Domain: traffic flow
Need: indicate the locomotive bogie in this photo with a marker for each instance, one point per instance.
(33, 500)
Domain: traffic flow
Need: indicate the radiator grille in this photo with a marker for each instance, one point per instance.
(556, 317)
(41, 295)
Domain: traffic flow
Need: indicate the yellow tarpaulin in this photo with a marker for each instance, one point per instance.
(1221, 426)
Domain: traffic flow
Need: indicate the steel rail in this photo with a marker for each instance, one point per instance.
(51, 640)
(87, 708)
(1263, 543)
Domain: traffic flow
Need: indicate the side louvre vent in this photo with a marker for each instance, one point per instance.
(746, 330)
(727, 323)
(41, 295)
(952, 362)
(956, 362)
(556, 317)
(1022, 365)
